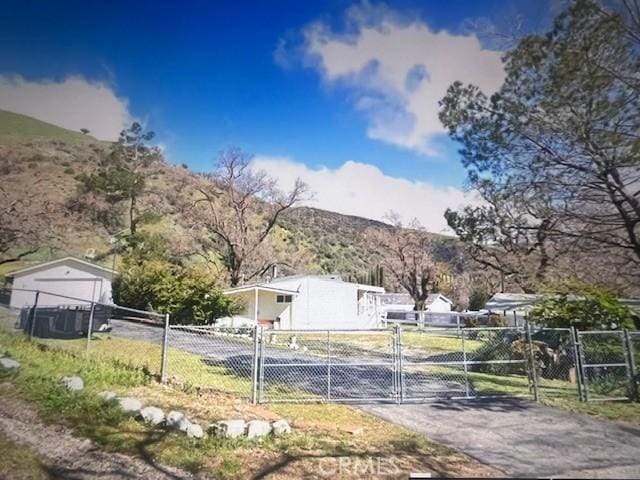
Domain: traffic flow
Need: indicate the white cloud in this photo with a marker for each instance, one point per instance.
(399, 70)
(364, 190)
(74, 103)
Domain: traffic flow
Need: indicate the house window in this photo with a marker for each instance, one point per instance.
(283, 299)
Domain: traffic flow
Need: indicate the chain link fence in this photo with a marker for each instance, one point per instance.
(93, 329)
(398, 364)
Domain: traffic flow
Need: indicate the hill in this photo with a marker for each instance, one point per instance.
(17, 128)
(40, 163)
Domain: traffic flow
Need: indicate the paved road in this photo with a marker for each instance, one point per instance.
(523, 438)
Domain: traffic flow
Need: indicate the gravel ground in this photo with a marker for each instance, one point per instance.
(66, 456)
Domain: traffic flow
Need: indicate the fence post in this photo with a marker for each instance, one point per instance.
(578, 363)
(328, 365)
(90, 328)
(583, 368)
(254, 365)
(165, 350)
(399, 376)
(533, 371)
(34, 315)
(631, 366)
(261, 365)
(464, 362)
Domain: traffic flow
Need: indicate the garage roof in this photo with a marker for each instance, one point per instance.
(44, 265)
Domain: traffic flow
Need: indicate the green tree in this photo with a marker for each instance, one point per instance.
(585, 307)
(120, 179)
(189, 295)
(556, 151)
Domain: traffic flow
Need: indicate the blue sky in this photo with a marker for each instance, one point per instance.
(274, 78)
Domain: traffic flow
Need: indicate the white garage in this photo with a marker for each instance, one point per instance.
(71, 277)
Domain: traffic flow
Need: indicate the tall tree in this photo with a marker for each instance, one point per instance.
(407, 257)
(120, 179)
(561, 138)
(238, 209)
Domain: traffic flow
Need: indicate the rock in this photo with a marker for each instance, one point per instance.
(152, 415)
(353, 430)
(130, 405)
(258, 428)
(194, 431)
(177, 420)
(228, 428)
(75, 384)
(108, 396)
(9, 363)
(281, 427)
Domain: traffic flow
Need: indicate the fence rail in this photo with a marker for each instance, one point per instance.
(395, 365)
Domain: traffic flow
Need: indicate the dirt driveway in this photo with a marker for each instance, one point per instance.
(523, 438)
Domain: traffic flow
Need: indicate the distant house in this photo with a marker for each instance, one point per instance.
(307, 302)
(72, 277)
(402, 302)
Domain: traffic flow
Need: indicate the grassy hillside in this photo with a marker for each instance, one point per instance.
(16, 128)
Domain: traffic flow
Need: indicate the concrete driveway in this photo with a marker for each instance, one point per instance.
(523, 438)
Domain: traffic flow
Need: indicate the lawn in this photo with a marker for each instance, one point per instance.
(323, 433)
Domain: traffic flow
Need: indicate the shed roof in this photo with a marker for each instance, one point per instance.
(44, 265)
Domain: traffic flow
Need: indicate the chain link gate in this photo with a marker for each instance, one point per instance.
(403, 364)
(327, 365)
(607, 371)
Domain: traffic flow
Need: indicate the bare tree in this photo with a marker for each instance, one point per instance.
(24, 225)
(408, 257)
(238, 208)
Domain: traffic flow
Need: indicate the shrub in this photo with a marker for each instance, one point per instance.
(189, 295)
(585, 307)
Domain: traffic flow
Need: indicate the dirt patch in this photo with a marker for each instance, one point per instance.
(65, 456)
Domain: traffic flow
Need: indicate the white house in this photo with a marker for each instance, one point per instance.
(308, 302)
(69, 276)
(402, 302)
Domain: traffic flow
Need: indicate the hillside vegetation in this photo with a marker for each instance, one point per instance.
(40, 165)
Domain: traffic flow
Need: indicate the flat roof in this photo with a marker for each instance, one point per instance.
(259, 286)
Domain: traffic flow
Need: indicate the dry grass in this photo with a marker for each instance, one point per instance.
(17, 462)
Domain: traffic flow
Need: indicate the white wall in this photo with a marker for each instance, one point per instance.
(69, 279)
(324, 304)
(439, 306)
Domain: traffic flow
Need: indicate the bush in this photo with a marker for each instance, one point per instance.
(582, 306)
(498, 345)
(189, 295)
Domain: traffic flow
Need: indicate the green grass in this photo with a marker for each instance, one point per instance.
(15, 127)
(316, 433)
